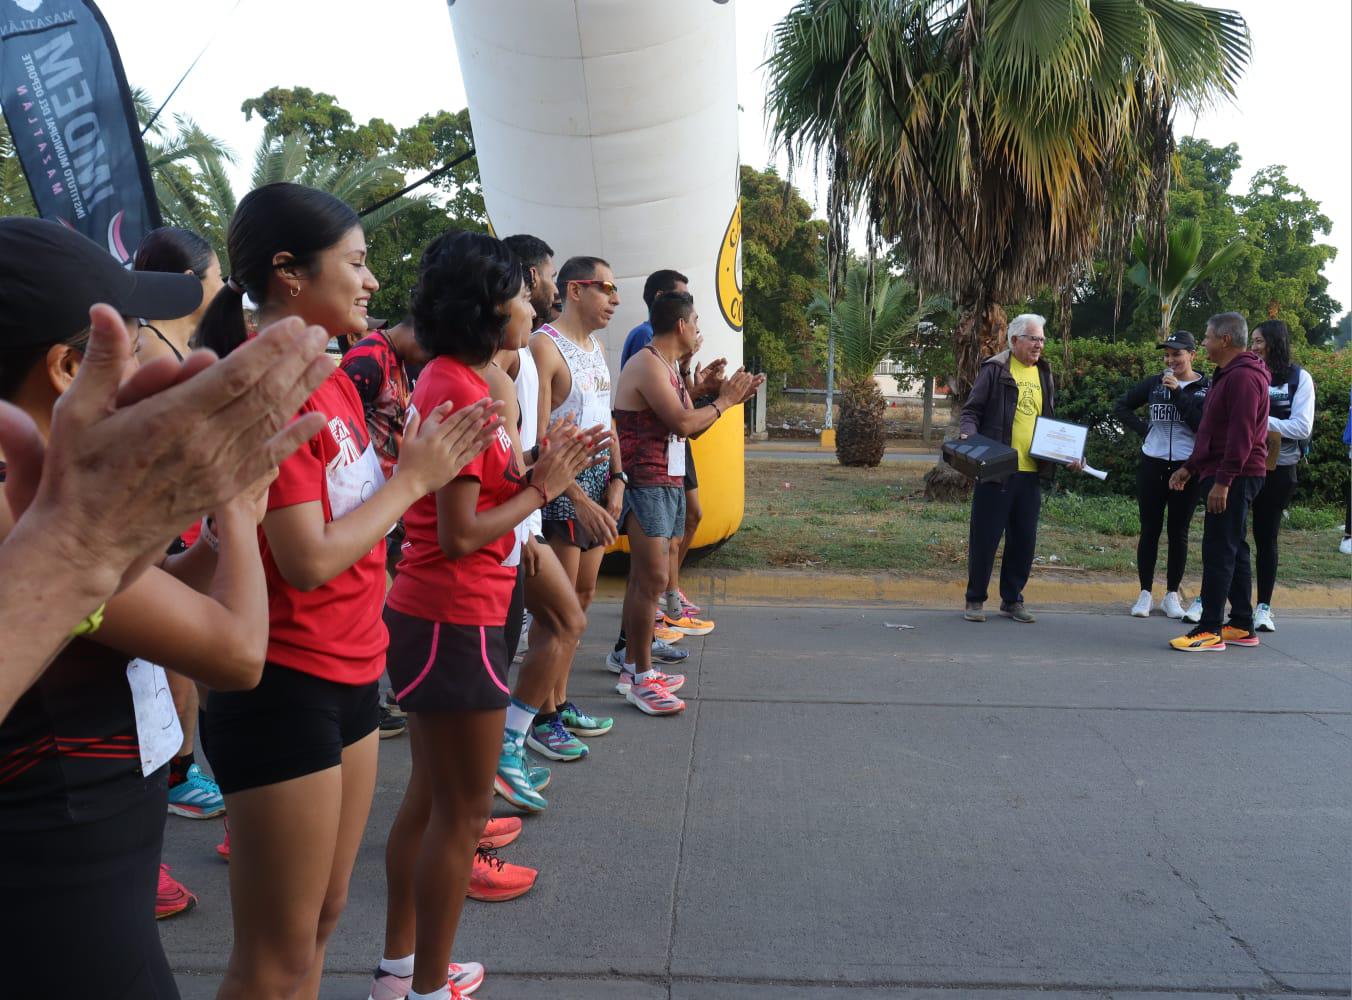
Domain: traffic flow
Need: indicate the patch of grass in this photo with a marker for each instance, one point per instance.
(822, 516)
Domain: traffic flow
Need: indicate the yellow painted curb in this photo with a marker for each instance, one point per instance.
(1047, 588)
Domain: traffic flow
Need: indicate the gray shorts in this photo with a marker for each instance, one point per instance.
(660, 510)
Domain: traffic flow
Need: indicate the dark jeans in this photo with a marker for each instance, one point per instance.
(1272, 499)
(1153, 499)
(1007, 508)
(1225, 556)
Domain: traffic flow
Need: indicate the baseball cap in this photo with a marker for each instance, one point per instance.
(51, 275)
(1180, 340)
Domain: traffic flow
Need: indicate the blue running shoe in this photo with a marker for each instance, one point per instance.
(196, 796)
(550, 739)
(513, 780)
(579, 723)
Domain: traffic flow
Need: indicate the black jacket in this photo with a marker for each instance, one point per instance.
(989, 409)
(1168, 408)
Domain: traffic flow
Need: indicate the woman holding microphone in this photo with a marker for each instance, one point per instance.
(1175, 400)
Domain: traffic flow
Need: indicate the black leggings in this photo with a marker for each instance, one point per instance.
(1154, 498)
(79, 905)
(1272, 499)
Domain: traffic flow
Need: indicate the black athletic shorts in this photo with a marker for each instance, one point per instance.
(440, 667)
(691, 480)
(79, 906)
(291, 725)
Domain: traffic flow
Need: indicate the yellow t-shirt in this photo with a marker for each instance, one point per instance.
(1026, 411)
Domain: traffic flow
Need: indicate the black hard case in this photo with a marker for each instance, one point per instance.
(981, 458)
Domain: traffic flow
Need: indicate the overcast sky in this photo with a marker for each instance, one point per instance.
(397, 62)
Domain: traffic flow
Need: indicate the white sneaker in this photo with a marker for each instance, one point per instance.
(1345, 546)
(1194, 613)
(1141, 609)
(615, 661)
(1262, 619)
(1171, 605)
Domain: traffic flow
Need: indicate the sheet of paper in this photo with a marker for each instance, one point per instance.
(1058, 441)
(157, 728)
(675, 456)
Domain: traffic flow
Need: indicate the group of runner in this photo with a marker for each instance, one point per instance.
(502, 475)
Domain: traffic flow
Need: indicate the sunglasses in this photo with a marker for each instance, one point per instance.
(608, 287)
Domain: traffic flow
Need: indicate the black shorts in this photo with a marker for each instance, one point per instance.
(572, 533)
(80, 905)
(440, 667)
(691, 480)
(291, 725)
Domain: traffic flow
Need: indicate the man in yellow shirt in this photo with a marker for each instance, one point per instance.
(1012, 389)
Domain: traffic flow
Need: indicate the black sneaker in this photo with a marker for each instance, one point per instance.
(391, 725)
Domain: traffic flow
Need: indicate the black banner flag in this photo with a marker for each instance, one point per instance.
(69, 110)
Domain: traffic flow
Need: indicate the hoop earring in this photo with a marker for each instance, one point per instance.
(295, 290)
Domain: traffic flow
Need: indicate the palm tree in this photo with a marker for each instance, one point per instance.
(999, 142)
(873, 320)
(1172, 279)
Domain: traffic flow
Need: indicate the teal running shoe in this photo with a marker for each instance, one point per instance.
(513, 780)
(550, 739)
(539, 777)
(579, 723)
(196, 796)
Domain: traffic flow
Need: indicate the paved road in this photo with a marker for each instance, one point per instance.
(1057, 812)
(765, 455)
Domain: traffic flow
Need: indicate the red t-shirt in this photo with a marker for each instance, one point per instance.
(334, 631)
(475, 589)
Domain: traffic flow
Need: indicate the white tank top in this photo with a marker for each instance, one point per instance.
(528, 396)
(588, 401)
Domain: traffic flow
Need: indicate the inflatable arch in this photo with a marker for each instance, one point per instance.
(609, 127)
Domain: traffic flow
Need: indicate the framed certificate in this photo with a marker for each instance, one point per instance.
(1058, 441)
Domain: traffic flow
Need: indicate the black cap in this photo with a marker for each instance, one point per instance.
(51, 275)
(1181, 340)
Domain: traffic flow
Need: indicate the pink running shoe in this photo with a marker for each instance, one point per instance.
(672, 682)
(650, 697)
(171, 896)
(223, 848)
(462, 979)
(688, 609)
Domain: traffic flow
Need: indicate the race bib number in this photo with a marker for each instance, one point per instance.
(676, 457)
(597, 410)
(157, 728)
(353, 476)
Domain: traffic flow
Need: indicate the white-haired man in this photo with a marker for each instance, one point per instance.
(1012, 388)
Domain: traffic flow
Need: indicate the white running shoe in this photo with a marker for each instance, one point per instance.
(1171, 605)
(1345, 546)
(1194, 613)
(1262, 619)
(1141, 609)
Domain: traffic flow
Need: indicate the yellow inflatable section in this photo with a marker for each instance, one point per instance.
(609, 127)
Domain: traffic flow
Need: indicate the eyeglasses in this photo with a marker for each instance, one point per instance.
(608, 287)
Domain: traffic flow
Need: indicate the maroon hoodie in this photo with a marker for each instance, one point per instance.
(1232, 439)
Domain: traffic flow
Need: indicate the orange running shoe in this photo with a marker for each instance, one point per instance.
(668, 635)
(171, 897)
(493, 880)
(687, 625)
(1233, 636)
(501, 831)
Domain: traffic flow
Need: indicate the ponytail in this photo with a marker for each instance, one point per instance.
(222, 327)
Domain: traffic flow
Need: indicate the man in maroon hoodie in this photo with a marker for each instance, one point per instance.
(1229, 459)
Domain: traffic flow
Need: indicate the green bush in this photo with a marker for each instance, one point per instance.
(1099, 372)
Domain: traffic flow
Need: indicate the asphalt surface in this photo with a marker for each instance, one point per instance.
(1061, 811)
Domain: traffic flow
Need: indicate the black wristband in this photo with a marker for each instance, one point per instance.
(535, 453)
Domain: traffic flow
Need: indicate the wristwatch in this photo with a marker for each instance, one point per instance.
(622, 477)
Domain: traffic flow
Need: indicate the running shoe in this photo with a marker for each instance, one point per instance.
(501, 831)
(579, 723)
(171, 897)
(462, 980)
(668, 653)
(552, 740)
(196, 796)
(1017, 611)
(1199, 640)
(493, 880)
(687, 625)
(389, 704)
(667, 635)
(1235, 636)
(1194, 613)
(1141, 609)
(672, 682)
(689, 609)
(615, 661)
(513, 782)
(1171, 605)
(1262, 619)
(391, 725)
(650, 697)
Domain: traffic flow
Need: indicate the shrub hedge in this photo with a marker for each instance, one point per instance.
(1099, 372)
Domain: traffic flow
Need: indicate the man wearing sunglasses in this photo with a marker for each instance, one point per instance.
(574, 381)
